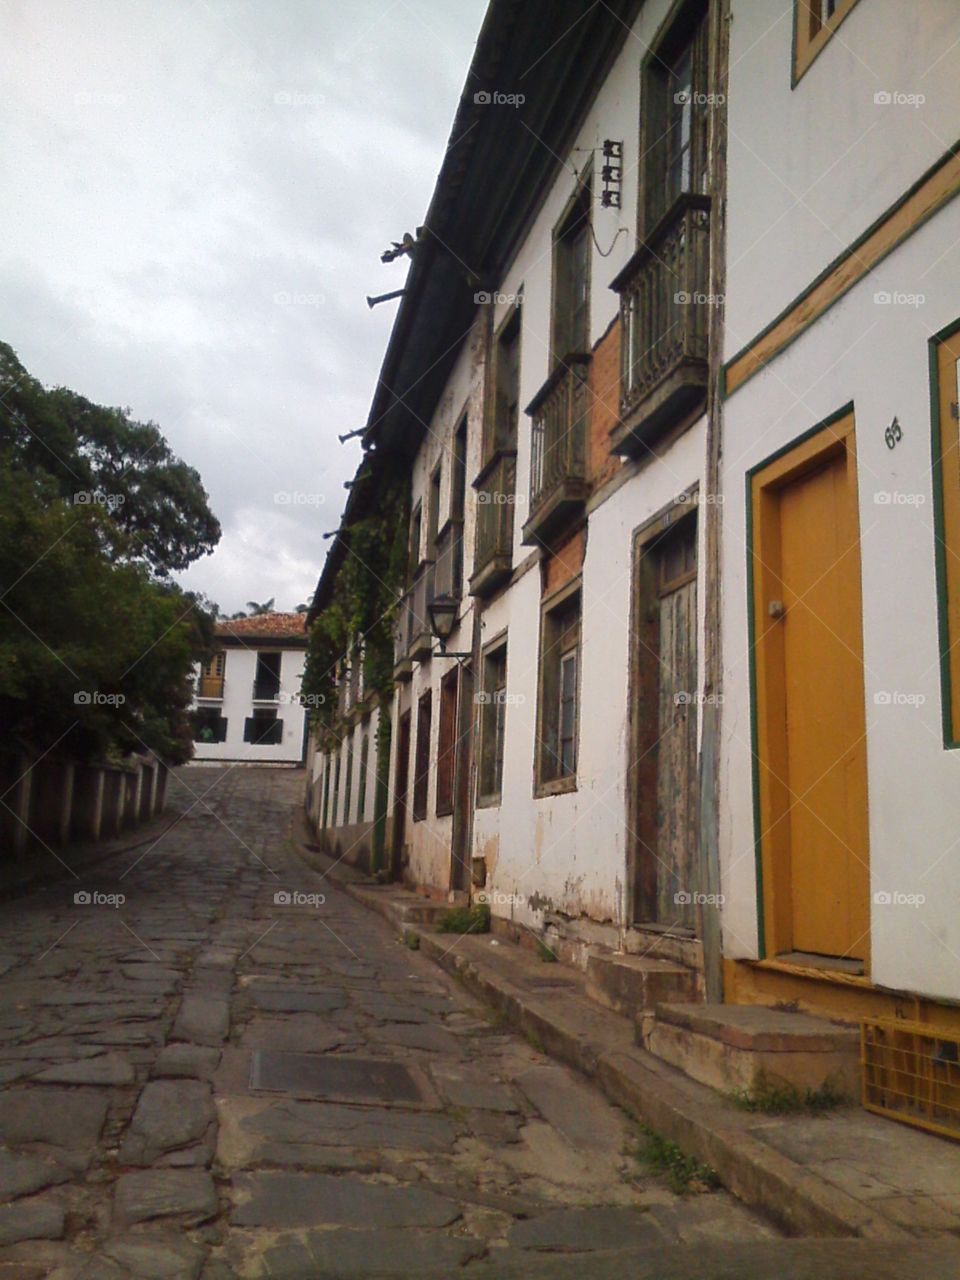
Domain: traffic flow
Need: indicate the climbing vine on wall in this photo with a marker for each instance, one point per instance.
(363, 601)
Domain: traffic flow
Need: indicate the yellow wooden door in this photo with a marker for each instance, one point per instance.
(812, 741)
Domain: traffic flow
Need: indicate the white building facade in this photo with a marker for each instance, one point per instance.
(247, 706)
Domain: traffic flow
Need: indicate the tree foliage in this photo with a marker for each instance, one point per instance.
(97, 644)
(363, 604)
(101, 456)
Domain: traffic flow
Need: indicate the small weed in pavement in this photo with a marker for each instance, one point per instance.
(777, 1097)
(465, 920)
(685, 1175)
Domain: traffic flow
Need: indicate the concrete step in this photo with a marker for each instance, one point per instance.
(629, 985)
(734, 1047)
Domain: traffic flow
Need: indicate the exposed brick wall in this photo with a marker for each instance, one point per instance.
(604, 405)
(565, 563)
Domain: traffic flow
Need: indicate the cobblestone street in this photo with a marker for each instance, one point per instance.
(137, 1146)
(159, 1120)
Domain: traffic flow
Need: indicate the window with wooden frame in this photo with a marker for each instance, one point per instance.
(503, 424)
(263, 729)
(945, 403)
(559, 712)
(421, 776)
(364, 775)
(336, 787)
(209, 726)
(416, 533)
(493, 706)
(447, 742)
(348, 784)
(674, 129)
(326, 792)
(433, 512)
(814, 22)
(570, 327)
(211, 676)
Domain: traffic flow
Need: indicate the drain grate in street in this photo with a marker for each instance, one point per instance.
(335, 1078)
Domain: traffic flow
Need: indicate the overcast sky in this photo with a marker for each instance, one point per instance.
(194, 197)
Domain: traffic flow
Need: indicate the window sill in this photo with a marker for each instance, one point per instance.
(444, 811)
(558, 787)
(489, 802)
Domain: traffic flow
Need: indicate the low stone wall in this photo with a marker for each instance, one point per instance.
(51, 803)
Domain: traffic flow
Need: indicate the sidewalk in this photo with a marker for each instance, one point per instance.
(842, 1173)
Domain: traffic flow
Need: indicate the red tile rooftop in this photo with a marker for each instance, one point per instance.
(265, 626)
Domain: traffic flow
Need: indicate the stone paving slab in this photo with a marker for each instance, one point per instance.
(279, 1200)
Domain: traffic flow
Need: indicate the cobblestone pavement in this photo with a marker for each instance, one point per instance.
(223, 1075)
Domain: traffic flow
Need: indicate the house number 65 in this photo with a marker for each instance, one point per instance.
(893, 434)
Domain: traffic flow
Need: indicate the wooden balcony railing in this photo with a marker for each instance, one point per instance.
(664, 320)
(421, 594)
(496, 498)
(558, 449)
(402, 663)
(210, 687)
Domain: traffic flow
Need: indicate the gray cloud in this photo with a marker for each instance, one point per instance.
(195, 198)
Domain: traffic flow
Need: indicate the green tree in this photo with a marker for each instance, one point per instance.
(101, 456)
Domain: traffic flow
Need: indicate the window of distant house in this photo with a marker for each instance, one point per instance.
(458, 502)
(493, 705)
(209, 725)
(571, 277)
(814, 22)
(675, 93)
(559, 693)
(211, 676)
(263, 729)
(266, 684)
(364, 775)
(447, 742)
(421, 779)
(433, 513)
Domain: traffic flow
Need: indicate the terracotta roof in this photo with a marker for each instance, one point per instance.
(266, 626)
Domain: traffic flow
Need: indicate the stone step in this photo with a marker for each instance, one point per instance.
(739, 1047)
(629, 985)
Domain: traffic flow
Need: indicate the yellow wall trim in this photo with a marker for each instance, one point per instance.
(936, 188)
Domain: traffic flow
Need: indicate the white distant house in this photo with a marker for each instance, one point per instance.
(247, 705)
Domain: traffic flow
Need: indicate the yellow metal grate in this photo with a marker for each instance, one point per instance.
(911, 1072)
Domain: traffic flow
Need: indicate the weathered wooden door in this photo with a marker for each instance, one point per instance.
(665, 733)
(811, 722)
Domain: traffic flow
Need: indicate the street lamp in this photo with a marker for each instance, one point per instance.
(443, 616)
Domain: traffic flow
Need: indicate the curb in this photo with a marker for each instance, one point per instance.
(566, 1024)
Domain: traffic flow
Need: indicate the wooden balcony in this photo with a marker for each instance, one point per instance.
(412, 637)
(496, 487)
(664, 320)
(558, 451)
(210, 687)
